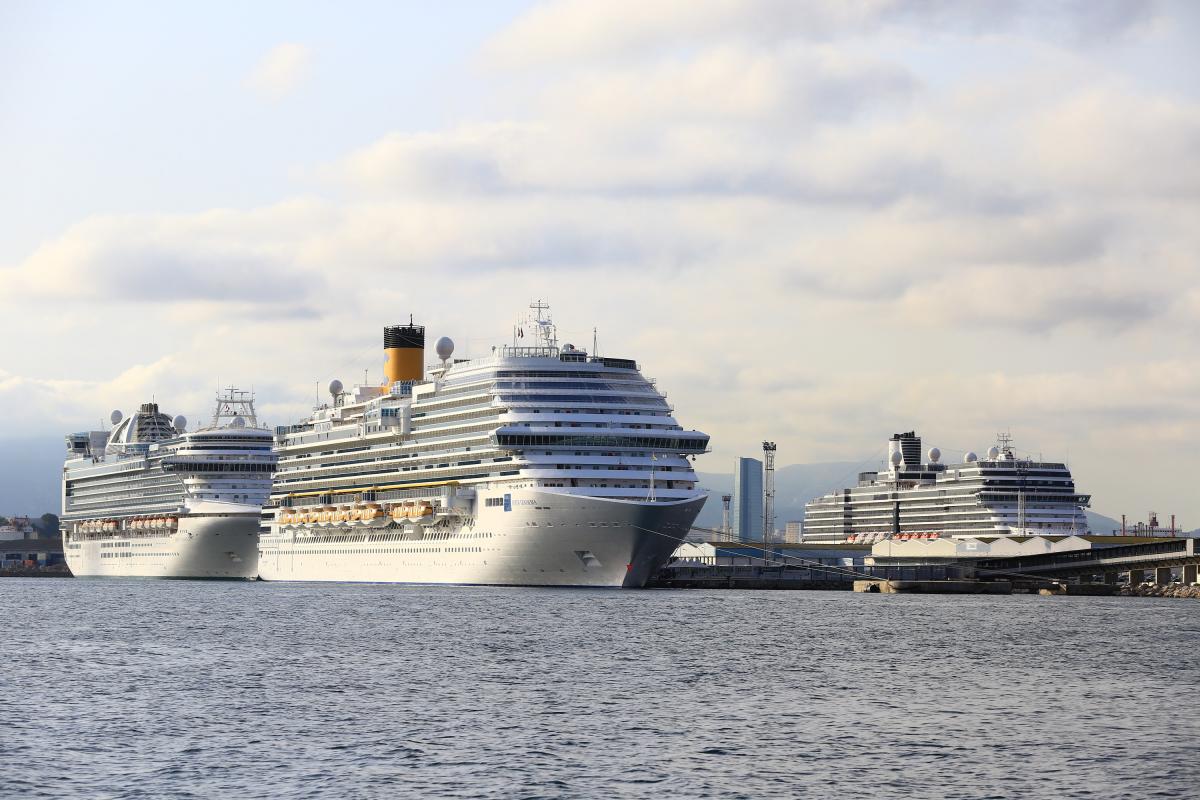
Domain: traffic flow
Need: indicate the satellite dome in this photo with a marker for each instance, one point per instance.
(897, 457)
(993, 453)
(335, 387)
(116, 416)
(180, 423)
(970, 457)
(238, 422)
(935, 455)
(444, 348)
(568, 348)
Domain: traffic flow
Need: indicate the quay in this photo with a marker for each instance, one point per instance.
(1074, 566)
(933, 587)
(737, 576)
(1105, 564)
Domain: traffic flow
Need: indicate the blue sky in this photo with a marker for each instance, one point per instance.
(817, 222)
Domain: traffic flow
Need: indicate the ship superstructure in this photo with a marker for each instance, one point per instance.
(998, 495)
(151, 499)
(536, 465)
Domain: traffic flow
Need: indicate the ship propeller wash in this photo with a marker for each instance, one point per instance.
(151, 499)
(539, 464)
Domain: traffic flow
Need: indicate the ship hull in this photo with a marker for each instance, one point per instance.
(211, 546)
(536, 538)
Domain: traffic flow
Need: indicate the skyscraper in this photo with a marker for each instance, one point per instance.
(747, 511)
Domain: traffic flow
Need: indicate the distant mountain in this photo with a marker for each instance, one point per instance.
(31, 475)
(1098, 523)
(795, 485)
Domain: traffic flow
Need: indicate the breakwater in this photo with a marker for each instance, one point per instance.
(1158, 590)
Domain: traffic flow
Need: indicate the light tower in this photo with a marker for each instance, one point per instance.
(726, 530)
(768, 493)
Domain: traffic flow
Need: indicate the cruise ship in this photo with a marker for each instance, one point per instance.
(998, 495)
(150, 499)
(535, 465)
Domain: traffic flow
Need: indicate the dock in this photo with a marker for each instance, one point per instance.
(933, 587)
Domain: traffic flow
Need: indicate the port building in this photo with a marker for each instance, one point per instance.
(747, 509)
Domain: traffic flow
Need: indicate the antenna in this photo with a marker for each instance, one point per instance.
(594, 347)
(726, 530)
(768, 492)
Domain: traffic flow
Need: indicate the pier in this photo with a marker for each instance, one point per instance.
(795, 577)
(1151, 561)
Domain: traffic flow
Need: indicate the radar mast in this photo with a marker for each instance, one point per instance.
(235, 409)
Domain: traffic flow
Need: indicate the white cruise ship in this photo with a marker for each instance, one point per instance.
(535, 465)
(152, 500)
(998, 495)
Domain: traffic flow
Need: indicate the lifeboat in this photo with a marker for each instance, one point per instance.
(344, 514)
(376, 517)
(356, 514)
(423, 510)
(307, 518)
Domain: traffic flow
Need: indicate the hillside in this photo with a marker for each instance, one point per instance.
(30, 475)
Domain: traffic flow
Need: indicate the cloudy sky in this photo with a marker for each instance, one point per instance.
(816, 222)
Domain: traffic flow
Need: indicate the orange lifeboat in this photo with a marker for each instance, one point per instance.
(376, 517)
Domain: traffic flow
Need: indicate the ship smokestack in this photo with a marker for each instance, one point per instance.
(403, 353)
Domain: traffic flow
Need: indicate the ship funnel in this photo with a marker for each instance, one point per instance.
(403, 353)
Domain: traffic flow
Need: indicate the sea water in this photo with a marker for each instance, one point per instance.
(125, 688)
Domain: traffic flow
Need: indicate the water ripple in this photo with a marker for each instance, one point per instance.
(130, 689)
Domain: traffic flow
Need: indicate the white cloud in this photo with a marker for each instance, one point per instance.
(281, 71)
(765, 203)
(570, 30)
